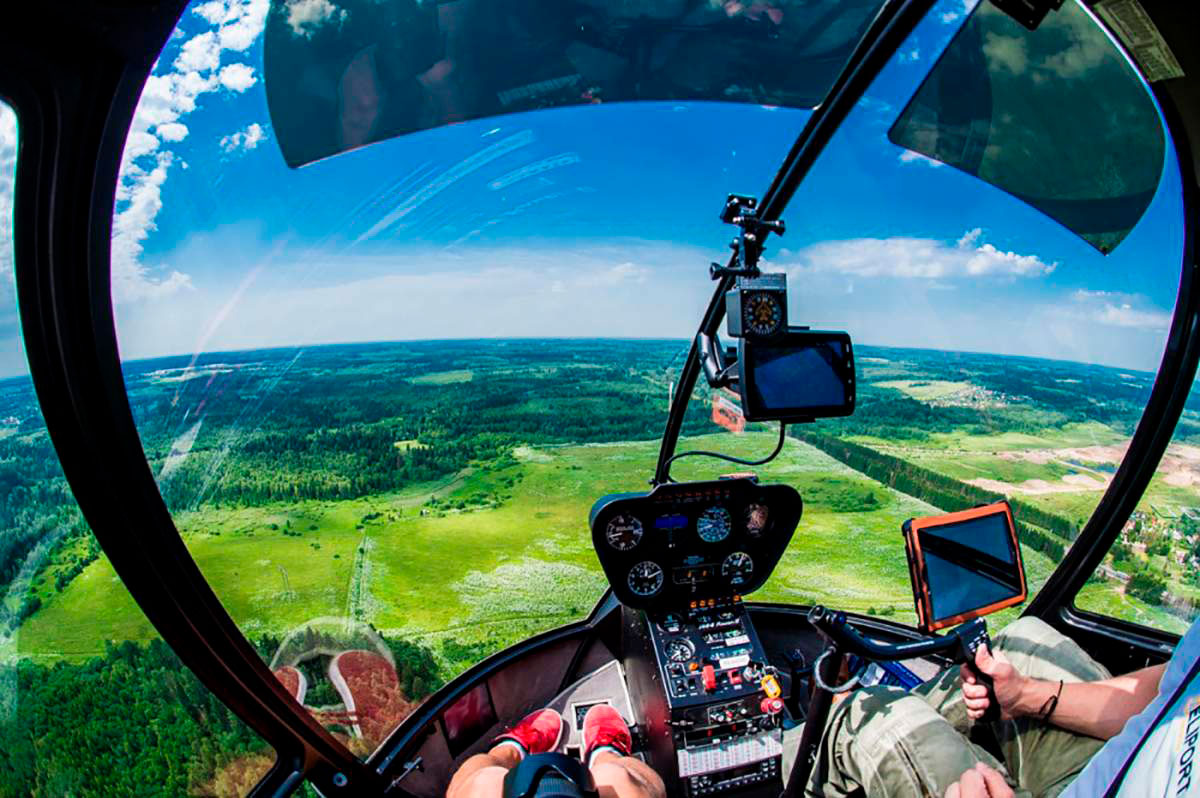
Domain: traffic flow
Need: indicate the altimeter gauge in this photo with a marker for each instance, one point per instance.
(645, 578)
(737, 568)
(713, 524)
(623, 532)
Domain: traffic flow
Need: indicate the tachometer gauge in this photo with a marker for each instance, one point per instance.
(645, 578)
(756, 519)
(680, 649)
(762, 313)
(737, 567)
(624, 532)
(713, 524)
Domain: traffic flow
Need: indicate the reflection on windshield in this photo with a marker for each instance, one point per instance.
(1056, 117)
(360, 71)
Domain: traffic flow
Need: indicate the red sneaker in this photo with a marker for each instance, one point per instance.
(605, 730)
(537, 733)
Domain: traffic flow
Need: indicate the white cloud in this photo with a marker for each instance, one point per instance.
(201, 53)
(172, 131)
(919, 258)
(958, 10)
(911, 156)
(1115, 309)
(246, 139)
(238, 77)
(243, 24)
(302, 297)
(131, 226)
(305, 16)
(168, 96)
(1010, 52)
(212, 12)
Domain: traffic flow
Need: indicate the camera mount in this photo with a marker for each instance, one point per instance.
(747, 248)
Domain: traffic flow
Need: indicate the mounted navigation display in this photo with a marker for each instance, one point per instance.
(964, 565)
(799, 375)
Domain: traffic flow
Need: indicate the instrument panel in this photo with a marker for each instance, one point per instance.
(664, 548)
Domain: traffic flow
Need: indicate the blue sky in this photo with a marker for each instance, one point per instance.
(588, 221)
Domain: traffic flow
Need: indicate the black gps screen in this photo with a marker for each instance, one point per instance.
(803, 374)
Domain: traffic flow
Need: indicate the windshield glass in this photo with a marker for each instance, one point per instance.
(92, 702)
(381, 392)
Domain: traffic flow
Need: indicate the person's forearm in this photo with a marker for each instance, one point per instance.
(1097, 709)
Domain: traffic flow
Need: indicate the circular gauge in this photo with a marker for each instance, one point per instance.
(623, 532)
(762, 313)
(756, 519)
(713, 524)
(680, 649)
(737, 567)
(645, 578)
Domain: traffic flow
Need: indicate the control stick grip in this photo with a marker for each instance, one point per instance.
(970, 637)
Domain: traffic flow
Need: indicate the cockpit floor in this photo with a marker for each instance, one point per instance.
(605, 685)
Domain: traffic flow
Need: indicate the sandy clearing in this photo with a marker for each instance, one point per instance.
(1071, 483)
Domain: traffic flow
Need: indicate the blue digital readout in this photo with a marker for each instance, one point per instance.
(671, 522)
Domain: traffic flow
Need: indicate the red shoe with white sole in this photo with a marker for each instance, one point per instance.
(605, 730)
(538, 732)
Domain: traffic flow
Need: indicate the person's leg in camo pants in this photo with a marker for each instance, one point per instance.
(895, 744)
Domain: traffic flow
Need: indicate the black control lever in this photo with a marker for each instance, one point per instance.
(959, 645)
(971, 636)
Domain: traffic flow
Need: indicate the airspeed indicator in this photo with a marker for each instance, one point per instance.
(713, 524)
(623, 532)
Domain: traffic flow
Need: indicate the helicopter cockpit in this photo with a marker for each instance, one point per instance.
(389, 369)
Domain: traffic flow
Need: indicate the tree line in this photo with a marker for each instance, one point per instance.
(941, 491)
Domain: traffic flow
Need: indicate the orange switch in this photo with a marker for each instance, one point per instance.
(709, 676)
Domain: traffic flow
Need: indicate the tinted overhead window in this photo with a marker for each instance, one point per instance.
(349, 72)
(92, 703)
(1003, 102)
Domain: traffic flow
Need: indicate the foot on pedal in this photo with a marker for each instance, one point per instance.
(538, 733)
(605, 730)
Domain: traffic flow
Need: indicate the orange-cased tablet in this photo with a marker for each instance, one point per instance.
(918, 572)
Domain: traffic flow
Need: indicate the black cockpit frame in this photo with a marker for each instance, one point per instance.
(73, 73)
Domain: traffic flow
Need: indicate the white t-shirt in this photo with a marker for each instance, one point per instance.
(1168, 764)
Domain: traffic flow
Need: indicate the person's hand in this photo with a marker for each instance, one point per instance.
(1007, 683)
(980, 782)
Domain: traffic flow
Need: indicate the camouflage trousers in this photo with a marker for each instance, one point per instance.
(892, 743)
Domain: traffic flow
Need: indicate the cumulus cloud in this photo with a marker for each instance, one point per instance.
(958, 9)
(172, 131)
(911, 156)
(237, 77)
(1114, 309)
(246, 139)
(920, 258)
(304, 17)
(168, 96)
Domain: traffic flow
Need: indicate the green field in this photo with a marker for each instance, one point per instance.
(491, 575)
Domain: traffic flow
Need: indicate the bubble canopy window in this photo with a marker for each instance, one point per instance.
(401, 288)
